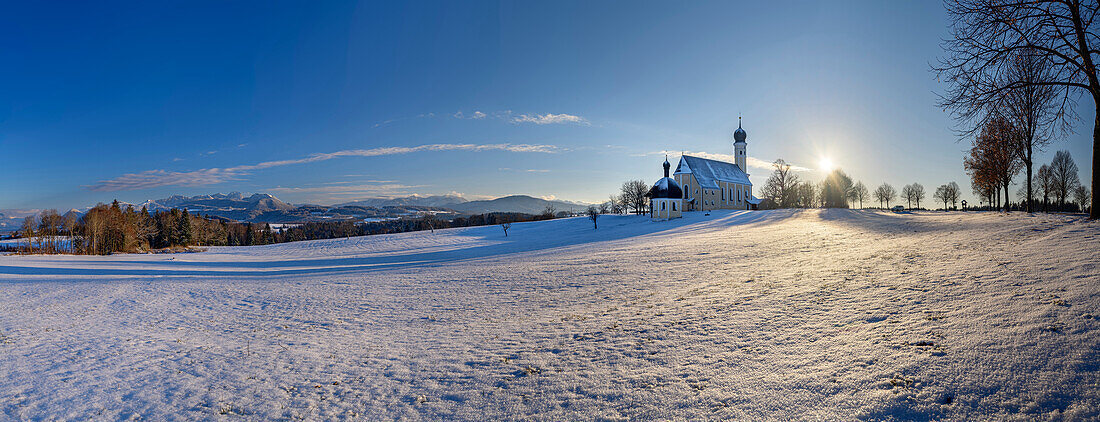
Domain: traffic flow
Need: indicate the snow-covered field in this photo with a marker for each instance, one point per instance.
(812, 314)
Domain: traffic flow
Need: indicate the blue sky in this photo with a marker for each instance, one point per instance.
(326, 102)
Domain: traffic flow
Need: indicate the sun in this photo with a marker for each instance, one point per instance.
(826, 165)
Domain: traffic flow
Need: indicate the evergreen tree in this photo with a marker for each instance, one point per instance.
(249, 236)
(269, 237)
(185, 234)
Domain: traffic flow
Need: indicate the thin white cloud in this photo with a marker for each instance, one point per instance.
(476, 115)
(767, 165)
(158, 178)
(379, 189)
(549, 118)
(538, 119)
(388, 121)
(344, 193)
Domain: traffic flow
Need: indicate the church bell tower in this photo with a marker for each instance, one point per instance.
(739, 146)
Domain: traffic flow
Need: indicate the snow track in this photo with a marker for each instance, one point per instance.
(814, 314)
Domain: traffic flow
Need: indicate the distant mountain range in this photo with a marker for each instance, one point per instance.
(514, 203)
(414, 200)
(265, 208)
(258, 207)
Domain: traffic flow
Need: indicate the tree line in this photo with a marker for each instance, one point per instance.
(785, 189)
(996, 158)
(106, 229)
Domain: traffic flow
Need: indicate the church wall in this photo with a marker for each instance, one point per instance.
(713, 199)
(665, 208)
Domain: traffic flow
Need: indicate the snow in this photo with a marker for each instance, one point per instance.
(709, 172)
(759, 315)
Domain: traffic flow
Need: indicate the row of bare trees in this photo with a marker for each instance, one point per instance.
(1016, 70)
(1057, 185)
(997, 156)
(785, 189)
(631, 198)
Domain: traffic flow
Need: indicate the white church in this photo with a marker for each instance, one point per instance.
(701, 184)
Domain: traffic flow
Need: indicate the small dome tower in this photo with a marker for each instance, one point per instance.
(666, 199)
(739, 145)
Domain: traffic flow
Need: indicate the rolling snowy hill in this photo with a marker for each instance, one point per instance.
(766, 315)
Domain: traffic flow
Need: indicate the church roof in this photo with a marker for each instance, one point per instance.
(709, 172)
(665, 188)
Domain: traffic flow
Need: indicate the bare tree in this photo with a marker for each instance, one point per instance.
(69, 225)
(836, 189)
(807, 195)
(1033, 109)
(942, 195)
(615, 203)
(987, 37)
(1064, 173)
(885, 193)
(1046, 184)
(953, 192)
(992, 162)
(505, 224)
(1081, 195)
(49, 228)
(782, 185)
(634, 195)
(29, 232)
(912, 193)
(859, 192)
(593, 214)
(548, 212)
(428, 219)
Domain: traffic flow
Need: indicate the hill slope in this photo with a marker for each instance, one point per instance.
(768, 315)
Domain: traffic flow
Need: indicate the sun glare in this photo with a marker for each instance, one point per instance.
(826, 165)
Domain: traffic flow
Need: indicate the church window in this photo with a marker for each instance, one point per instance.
(723, 194)
(674, 206)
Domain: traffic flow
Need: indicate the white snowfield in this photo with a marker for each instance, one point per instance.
(756, 315)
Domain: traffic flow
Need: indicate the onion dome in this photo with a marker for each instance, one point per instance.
(739, 135)
(666, 187)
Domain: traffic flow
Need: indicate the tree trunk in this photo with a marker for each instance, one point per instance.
(1027, 164)
(1094, 213)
